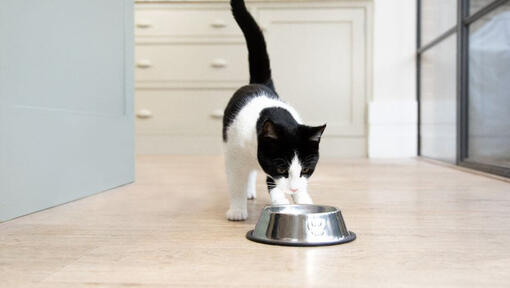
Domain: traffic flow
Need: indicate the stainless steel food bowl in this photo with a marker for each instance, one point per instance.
(301, 225)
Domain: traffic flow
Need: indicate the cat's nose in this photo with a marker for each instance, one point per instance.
(293, 190)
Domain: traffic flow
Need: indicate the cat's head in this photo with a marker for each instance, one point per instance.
(289, 153)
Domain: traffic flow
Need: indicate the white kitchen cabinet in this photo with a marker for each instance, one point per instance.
(191, 57)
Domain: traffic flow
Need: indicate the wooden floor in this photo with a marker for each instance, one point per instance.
(418, 225)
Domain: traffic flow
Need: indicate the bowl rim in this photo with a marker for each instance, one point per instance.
(349, 238)
(333, 209)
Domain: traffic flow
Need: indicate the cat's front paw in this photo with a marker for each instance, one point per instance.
(280, 201)
(278, 198)
(237, 214)
(251, 195)
(302, 198)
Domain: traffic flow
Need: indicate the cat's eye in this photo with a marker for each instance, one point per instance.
(305, 170)
(281, 170)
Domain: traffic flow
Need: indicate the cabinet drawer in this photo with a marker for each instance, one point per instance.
(181, 112)
(181, 21)
(192, 62)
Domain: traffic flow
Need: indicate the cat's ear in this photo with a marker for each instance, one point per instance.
(316, 133)
(269, 130)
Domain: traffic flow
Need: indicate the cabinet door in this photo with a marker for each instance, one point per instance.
(318, 57)
(66, 101)
(180, 121)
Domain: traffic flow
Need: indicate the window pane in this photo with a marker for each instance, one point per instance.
(476, 5)
(437, 16)
(489, 89)
(438, 101)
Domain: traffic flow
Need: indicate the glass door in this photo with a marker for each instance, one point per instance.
(488, 95)
(463, 51)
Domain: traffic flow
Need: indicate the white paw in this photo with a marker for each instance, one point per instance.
(280, 201)
(302, 199)
(251, 195)
(237, 214)
(277, 197)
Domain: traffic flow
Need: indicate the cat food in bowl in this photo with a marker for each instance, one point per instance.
(301, 225)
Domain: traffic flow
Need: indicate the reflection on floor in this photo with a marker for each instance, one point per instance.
(418, 224)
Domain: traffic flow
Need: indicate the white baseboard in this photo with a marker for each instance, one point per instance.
(392, 129)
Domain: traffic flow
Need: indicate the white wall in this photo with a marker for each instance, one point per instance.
(393, 109)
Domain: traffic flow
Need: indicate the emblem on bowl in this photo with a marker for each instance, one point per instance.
(316, 226)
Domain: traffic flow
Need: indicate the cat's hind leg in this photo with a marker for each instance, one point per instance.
(252, 185)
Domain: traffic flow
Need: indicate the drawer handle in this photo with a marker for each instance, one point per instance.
(217, 114)
(219, 63)
(218, 23)
(143, 25)
(144, 114)
(144, 63)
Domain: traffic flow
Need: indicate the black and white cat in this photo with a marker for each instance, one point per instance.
(260, 130)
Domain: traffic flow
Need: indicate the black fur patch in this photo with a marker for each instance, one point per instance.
(270, 183)
(279, 136)
(240, 98)
(278, 145)
(260, 70)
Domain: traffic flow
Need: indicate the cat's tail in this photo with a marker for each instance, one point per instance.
(260, 70)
